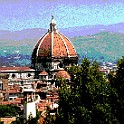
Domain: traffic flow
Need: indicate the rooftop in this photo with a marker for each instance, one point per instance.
(15, 69)
(62, 74)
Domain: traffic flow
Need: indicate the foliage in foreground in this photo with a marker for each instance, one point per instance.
(9, 110)
(91, 99)
(22, 120)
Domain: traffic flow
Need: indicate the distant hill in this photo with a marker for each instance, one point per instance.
(36, 33)
(104, 46)
(16, 47)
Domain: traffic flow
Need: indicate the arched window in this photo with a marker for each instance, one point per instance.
(13, 75)
(29, 75)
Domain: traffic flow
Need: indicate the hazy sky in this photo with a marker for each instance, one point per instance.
(23, 14)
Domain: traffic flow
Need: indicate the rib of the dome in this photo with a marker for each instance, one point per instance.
(59, 49)
(39, 41)
(44, 46)
(34, 54)
(64, 43)
(71, 49)
(52, 38)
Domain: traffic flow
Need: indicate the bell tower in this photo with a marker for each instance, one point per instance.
(29, 104)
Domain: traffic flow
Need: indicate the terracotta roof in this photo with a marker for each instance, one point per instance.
(43, 73)
(13, 91)
(41, 90)
(16, 86)
(41, 120)
(6, 69)
(63, 74)
(19, 99)
(41, 82)
(15, 101)
(5, 103)
(41, 109)
(54, 44)
(52, 97)
(52, 93)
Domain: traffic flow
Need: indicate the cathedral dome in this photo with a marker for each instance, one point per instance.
(54, 44)
(62, 74)
(53, 51)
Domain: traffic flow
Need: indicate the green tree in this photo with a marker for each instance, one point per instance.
(19, 120)
(22, 120)
(117, 98)
(9, 110)
(87, 99)
(49, 119)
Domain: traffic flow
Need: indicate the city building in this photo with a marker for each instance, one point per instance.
(35, 88)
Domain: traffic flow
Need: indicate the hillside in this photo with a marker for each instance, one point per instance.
(104, 46)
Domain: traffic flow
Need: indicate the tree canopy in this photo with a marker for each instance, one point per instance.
(9, 110)
(91, 99)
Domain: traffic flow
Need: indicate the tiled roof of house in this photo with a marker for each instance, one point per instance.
(12, 69)
(13, 91)
(15, 101)
(41, 120)
(41, 82)
(5, 103)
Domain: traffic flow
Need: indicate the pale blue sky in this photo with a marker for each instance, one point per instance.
(23, 14)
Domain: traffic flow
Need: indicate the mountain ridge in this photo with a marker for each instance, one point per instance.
(106, 45)
(102, 46)
(69, 32)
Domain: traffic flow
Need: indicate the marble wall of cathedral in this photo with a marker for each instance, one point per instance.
(24, 78)
(20, 75)
(47, 65)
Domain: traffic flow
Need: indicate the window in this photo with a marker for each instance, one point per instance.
(1, 86)
(13, 75)
(29, 75)
(10, 98)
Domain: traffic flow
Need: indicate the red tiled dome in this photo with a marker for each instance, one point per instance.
(43, 73)
(62, 74)
(54, 44)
